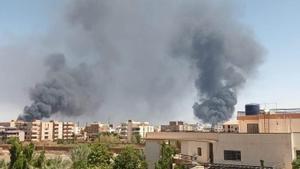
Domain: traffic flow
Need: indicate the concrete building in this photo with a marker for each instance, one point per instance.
(35, 130)
(47, 131)
(68, 130)
(131, 128)
(277, 150)
(231, 126)
(176, 126)
(43, 130)
(57, 130)
(11, 132)
(94, 129)
(277, 122)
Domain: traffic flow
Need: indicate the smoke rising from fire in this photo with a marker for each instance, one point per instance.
(140, 58)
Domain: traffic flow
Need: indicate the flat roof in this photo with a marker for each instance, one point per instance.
(199, 136)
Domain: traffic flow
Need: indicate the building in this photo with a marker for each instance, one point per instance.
(269, 122)
(35, 130)
(176, 126)
(238, 150)
(57, 130)
(94, 129)
(11, 132)
(47, 131)
(131, 128)
(231, 126)
(68, 130)
(38, 130)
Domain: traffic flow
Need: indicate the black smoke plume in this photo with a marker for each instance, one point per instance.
(142, 59)
(70, 91)
(225, 55)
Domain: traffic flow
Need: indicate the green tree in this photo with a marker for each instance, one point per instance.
(79, 157)
(296, 163)
(17, 158)
(40, 161)
(57, 163)
(166, 157)
(99, 156)
(130, 158)
(136, 137)
(28, 152)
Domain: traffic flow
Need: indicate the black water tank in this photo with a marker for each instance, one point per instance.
(252, 109)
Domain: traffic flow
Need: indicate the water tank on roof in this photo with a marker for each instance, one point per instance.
(252, 109)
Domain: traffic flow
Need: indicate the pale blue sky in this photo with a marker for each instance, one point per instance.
(275, 23)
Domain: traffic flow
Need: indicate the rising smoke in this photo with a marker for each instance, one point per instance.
(138, 59)
(71, 91)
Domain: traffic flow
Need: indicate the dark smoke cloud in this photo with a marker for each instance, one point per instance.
(225, 55)
(129, 51)
(71, 91)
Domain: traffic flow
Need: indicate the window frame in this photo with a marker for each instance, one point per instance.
(232, 155)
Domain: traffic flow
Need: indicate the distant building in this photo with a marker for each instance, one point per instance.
(68, 130)
(11, 132)
(43, 130)
(231, 126)
(131, 128)
(177, 126)
(94, 129)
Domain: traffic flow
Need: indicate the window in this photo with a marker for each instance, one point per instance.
(252, 128)
(298, 154)
(232, 155)
(199, 151)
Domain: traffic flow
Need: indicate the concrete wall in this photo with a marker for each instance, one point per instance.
(152, 152)
(191, 148)
(295, 144)
(274, 149)
(271, 123)
(47, 131)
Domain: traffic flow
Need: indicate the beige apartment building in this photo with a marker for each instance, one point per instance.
(176, 126)
(94, 129)
(68, 130)
(277, 150)
(43, 130)
(57, 130)
(129, 129)
(11, 132)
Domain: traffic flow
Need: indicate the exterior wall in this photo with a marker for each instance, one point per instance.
(277, 150)
(231, 128)
(295, 144)
(274, 149)
(177, 126)
(47, 131)
(152, 152)
(68, 130)
(191, 148)
(129, 129)
(243, 125)
(144, 129)
(36, 130)
(271, 123)
(12, 132)
(57, 130)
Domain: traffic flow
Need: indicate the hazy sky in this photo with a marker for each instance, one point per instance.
(275, 24)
